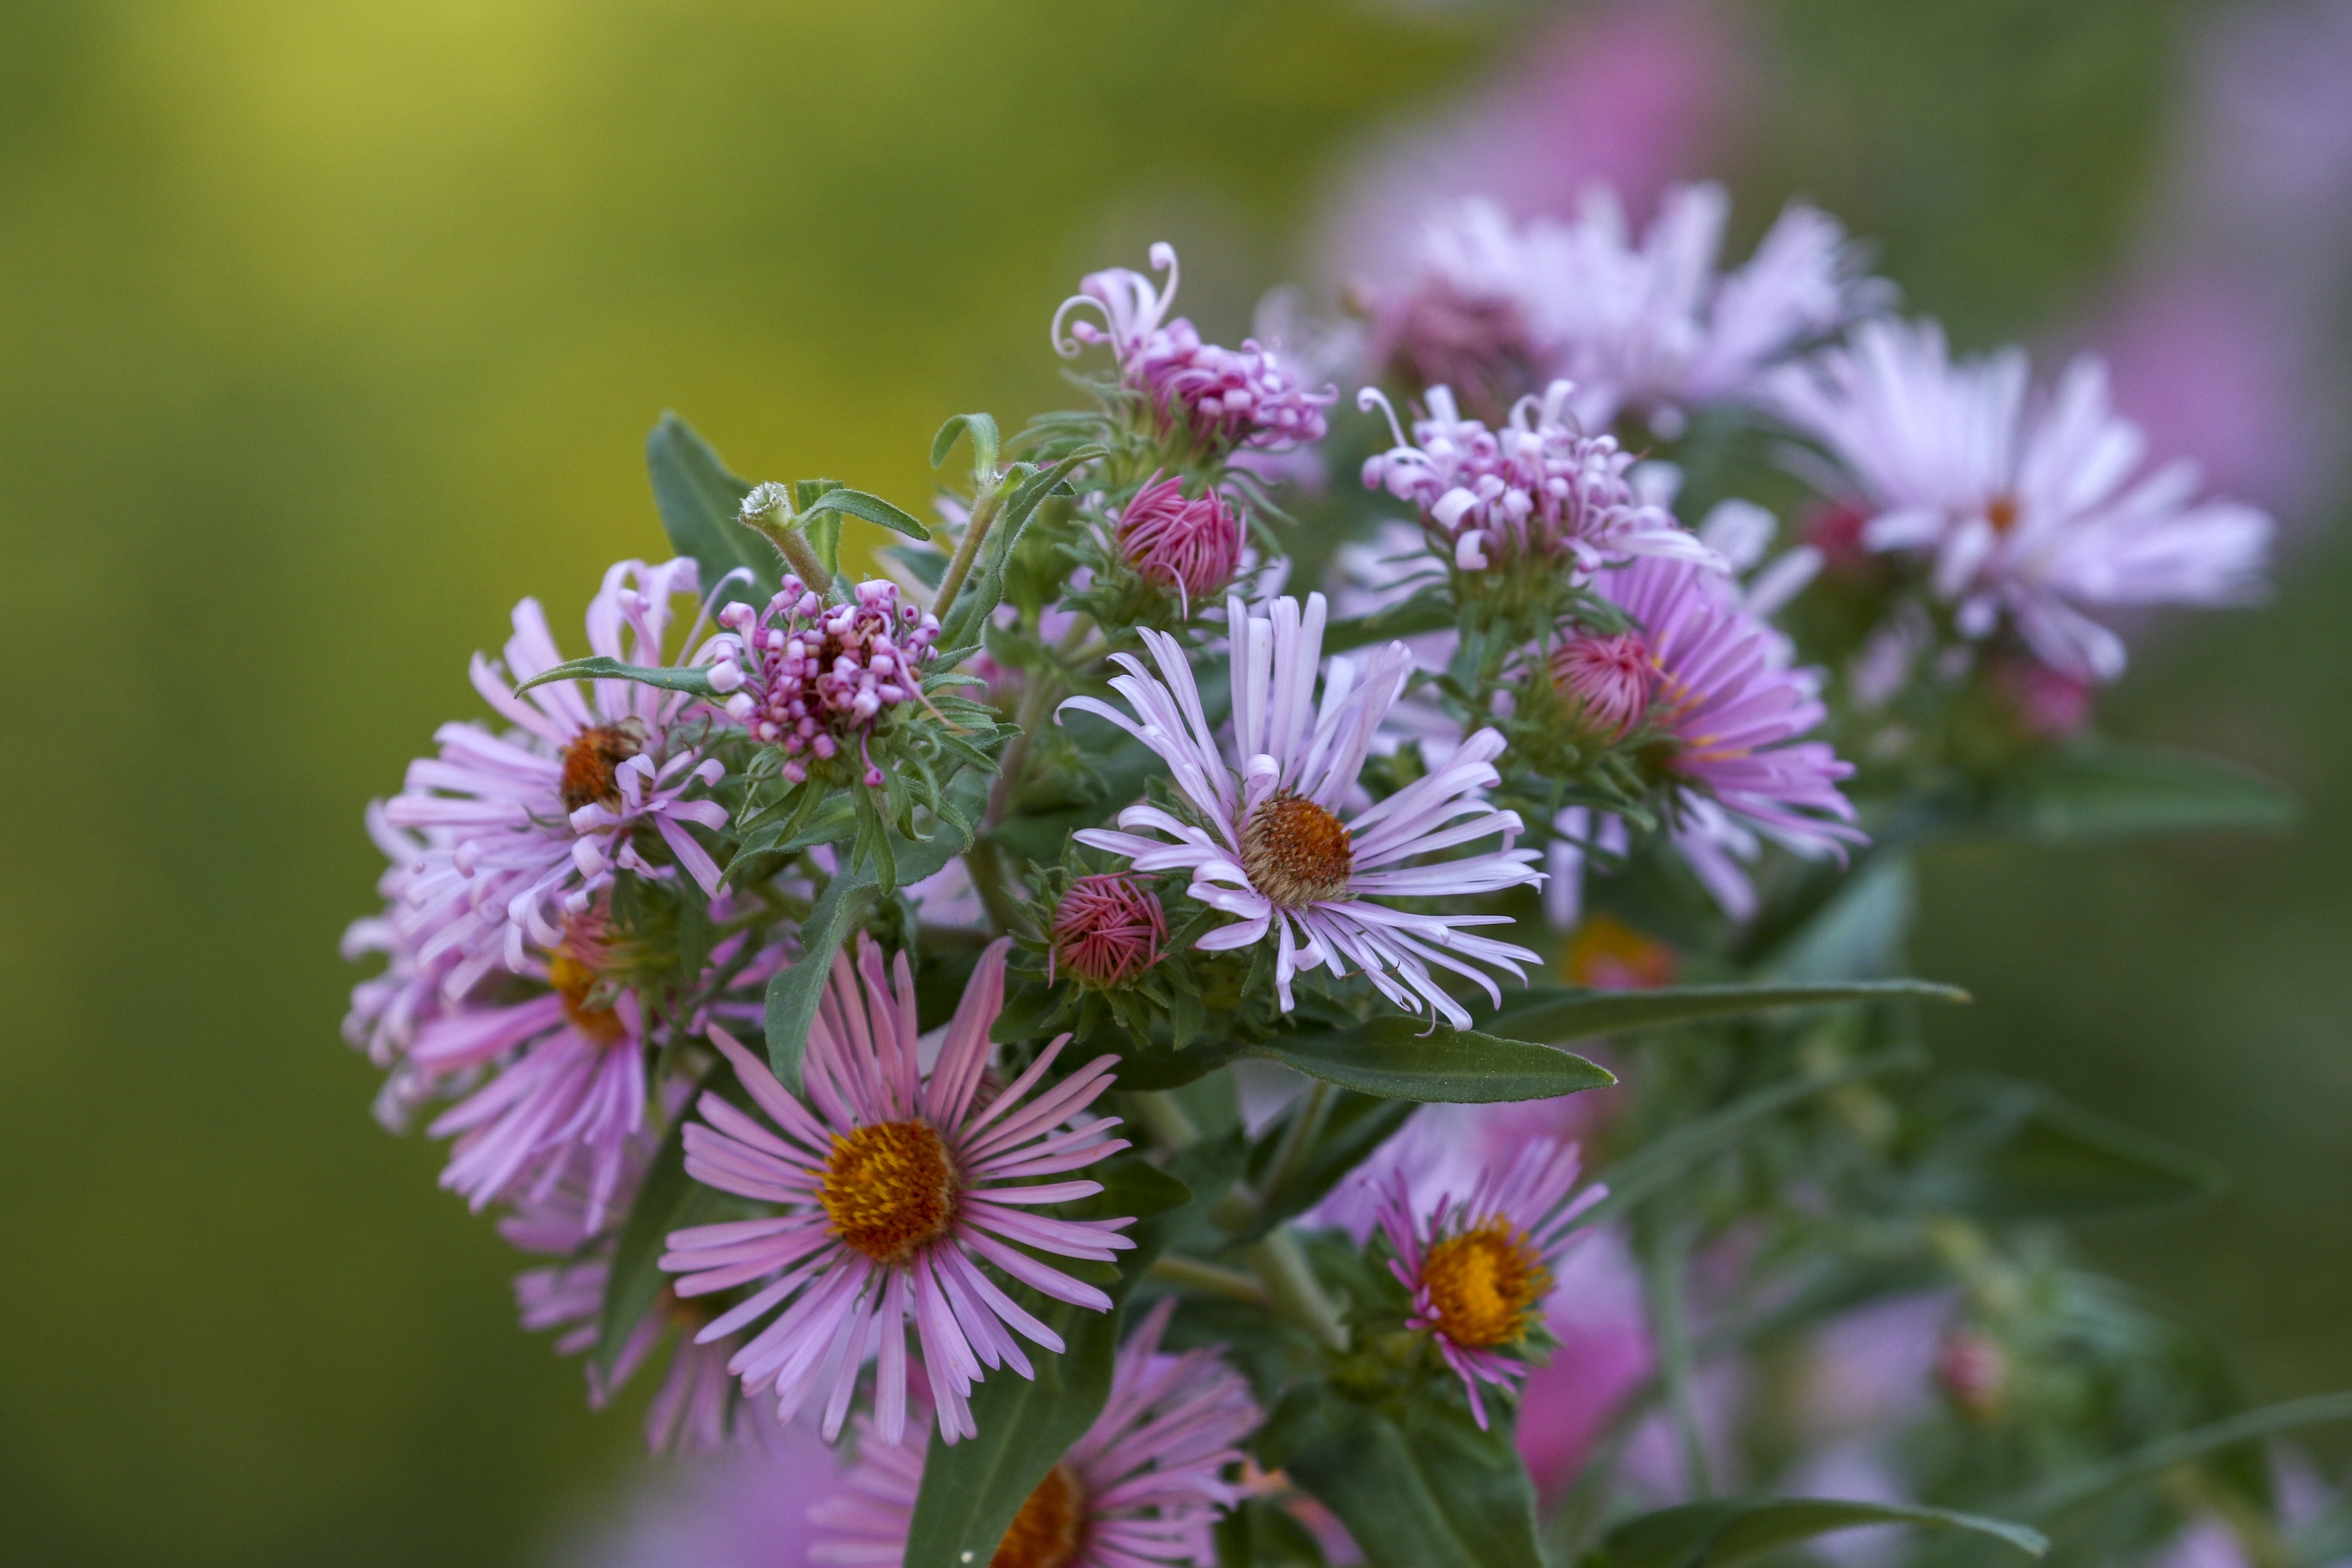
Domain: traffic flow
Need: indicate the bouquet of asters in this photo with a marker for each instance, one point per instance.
(1058, 1022)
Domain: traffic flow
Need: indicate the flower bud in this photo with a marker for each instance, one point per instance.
(1107, 930)
(1192, 546)
(1606, 680)
(1973, 1373)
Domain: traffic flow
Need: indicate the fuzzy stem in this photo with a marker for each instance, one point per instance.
(1293, 1294)
(786, 536)
(1209, 1279)
(1165, 1120)
(983, 514)
(990, 881)
(1664, 1257)
(1297, 1139)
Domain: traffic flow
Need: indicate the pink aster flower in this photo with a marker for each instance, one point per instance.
(2029, 509)
(1107, 930)
(541, 819)
(1536, 490)
(1655, 327)
(1193, 544)
(1219, 398)
(1145, 1485)
(1267, 841)
(1480, 1270)
(1475, 316)
(811, 677)
(889, 1186)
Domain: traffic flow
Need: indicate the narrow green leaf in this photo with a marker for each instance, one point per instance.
(1423, 612)
(1262, 1533)
(972, 1489)
(2107, 792)
(1559, 1014)
(700, 500)
(1401, 1059)
(2007, 1151)
(668, 1199)
(1718, 1533)
(793, 993)
(2162, 1455)
(872, 508)
(982, 430)
(692, 677)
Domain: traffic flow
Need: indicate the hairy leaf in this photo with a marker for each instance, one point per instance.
(699, 502)
(1401, 1059)
(794, 993)
(695, 679)
(872, 508)
(668, 1199)
(982, 427)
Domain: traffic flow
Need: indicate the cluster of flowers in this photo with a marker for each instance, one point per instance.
(1237, 825)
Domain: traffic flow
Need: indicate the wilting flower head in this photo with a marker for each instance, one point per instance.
(1534, 490)
(1267, 843)
(1107, 930)
(889, 1186)
(1481, 1269)
(538, 820)
(1190, 544)
(1606, 679)
(1655, 327)
(2025, 507)
(1475, 315)
(1145, 1485)
(810, 678)
(1218, 397)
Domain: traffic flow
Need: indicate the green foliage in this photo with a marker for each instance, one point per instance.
(699, 502)
(695, 679)
(1727, 1530)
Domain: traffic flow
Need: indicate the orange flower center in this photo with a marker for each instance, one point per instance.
(1295, 852)
(1610, 956)
(1485, 1284)
(2001, 512)
(593, 757)
(573, 981)
(1051, 1526)
(889, 1189)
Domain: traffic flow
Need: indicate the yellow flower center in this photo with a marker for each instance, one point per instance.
(573, 981)
(889, 1189)
(1485, 1284)
(2001, 511)
(593, 758)
(1051, 1526)
(1295, 852)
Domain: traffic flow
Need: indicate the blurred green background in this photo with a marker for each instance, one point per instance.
(328, 328)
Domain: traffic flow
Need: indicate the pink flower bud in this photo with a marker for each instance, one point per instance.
(1607, 680)
(1107, 930)
(1192, 546)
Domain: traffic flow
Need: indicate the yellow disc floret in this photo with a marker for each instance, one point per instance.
(889, 1189)
(1485, 1284)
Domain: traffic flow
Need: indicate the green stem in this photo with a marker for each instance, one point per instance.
(1293, 1293)
(1165, 1120)
(1209, 1279)
(990, 881)
(786, 536)
(1665, 1258)
(983, 514)
(1297, 1140)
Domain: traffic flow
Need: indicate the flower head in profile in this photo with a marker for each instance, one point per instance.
(1145, 1485)
(1108, 929)
(1481, 1269)
(1475, 315)
(1537, 490)
(890, 1186)
(1193, 544)
(538, 820)
(1277, 835)
(810, 678)
(1214, 397)
(2034, 509)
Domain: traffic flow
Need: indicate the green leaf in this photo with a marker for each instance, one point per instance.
(2107, 792)
(793, 993)
(1423, 612)
(1262, 1533)
(1718, 1533)
(1401, 1059)
(1428, 1490)
(972, 1489)
(1651, 1167)
(1354, 1126)
(982, 430)
(1561, 1013)
(2154, 1459)
(872, 508)
(692, 677)
(699, 502)
(2010, 1151)
(668, 1199)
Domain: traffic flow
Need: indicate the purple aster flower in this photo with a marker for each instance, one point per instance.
(538, 820)
(1480, 1270)
(1267, 842)
(1193, 544)
(1145, 1485)
(889, 1186)
(1475, 316)
(1106, 931)
(1216, 397)
(1537, 490)
(811, 677)
(1658, 329)
(2030, 508)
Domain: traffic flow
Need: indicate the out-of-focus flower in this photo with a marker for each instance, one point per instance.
(1191, 544)
(810, 678)
(538, 820)
(2047, 704)
(2032, 510)
(890, 1182)
(1268, 845)
(1532, 491)
(1607, 954)
(1480, 1270)
(1216, 397)
(1108, 929)
(1145, 1485)
(742, 1509)
(1972, 1370)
